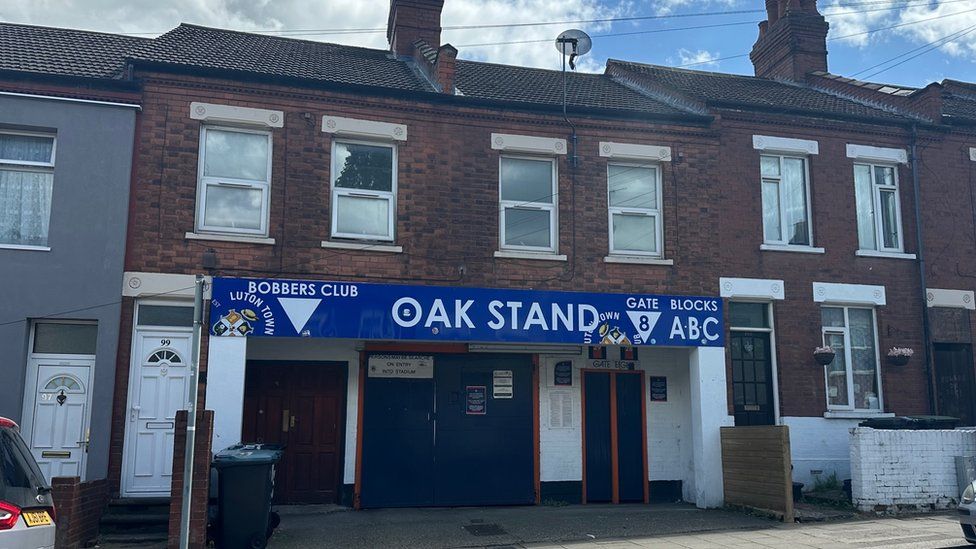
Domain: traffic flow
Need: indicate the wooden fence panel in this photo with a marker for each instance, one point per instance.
(756, 468)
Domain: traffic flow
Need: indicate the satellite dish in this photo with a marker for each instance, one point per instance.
(573, 43)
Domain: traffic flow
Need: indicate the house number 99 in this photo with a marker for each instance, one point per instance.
(164, 342)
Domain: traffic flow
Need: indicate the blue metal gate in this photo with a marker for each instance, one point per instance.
(453, 440)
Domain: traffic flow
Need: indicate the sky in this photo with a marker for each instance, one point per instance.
(920, 41)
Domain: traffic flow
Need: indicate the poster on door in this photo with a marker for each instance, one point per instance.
(502, 384)
(476, 400)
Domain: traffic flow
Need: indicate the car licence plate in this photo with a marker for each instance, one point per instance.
(37, 518)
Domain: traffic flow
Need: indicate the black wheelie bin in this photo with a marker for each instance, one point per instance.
(245, 486)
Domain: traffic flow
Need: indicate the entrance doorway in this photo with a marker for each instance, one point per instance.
(463, 436)
(955, 382)
(614, 437)
(300, 405)
(158, 388)
(752, 372)
(57, 401)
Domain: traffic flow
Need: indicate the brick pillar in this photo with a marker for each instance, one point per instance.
(201, 480)
(79, 507)
(64, 490)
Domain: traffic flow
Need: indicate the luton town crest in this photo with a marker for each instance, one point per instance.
(235, 323)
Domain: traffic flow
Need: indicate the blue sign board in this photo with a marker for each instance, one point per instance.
(353, 310)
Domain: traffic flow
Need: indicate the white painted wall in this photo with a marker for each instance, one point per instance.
(907, 470)
(670, 447)
(819, 444)
(226, 359)
(333, 350)
(709, 413)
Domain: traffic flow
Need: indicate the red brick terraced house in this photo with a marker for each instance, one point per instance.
(437, 287)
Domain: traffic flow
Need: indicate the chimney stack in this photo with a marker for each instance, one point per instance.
(792, 41)
(412, 20)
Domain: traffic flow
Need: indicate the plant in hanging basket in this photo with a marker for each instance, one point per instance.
(899, 356)
(823, 355)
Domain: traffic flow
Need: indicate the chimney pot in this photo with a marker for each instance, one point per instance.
(412, 20)
(792, 41)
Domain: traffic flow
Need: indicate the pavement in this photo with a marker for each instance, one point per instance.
(666, 526)
(596, 527)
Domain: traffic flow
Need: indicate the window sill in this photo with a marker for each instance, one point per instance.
(637, 260)
(230, 238)
(386, 248)
(855, 414)
(789, 248)
(891, 255)
(542, 256)
(25, 247)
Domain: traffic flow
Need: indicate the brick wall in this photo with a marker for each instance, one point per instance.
(894, 471)
(79, 506)
(201, 479)
(447, 221)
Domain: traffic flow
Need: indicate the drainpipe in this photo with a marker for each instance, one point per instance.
(191, 413)
(926, 329)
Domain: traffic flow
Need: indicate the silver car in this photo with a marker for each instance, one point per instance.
(26, 507)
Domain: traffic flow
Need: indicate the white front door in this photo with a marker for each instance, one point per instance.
(56, 426)
(157, 390)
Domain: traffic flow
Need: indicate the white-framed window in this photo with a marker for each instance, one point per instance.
(234, 188)
(853, 378)
(527, 200)
(364, 186)
(634, 201)
(26, 186)
(786, 200)
(878, 207)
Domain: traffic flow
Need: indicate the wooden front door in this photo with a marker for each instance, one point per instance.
(300, 405)
(955, 381)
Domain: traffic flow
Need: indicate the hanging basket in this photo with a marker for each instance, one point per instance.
(898, 360)
(899, 356)
(824, 358)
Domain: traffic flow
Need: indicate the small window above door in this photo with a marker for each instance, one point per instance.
(62, 338)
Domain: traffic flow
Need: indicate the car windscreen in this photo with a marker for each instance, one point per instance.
(19, 475)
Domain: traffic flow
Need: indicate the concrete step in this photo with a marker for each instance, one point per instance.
(140, 539)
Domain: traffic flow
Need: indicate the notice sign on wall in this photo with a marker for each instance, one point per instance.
(475, 399)
(659, 389)
(405, 366)
(562, 374)
(502, 384)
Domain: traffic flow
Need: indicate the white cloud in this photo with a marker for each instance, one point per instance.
(853, 22)
(697, 59)
(132, 16)
(670, 6)
(920, 23)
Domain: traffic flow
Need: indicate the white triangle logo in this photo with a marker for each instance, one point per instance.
(298, 310)
(644, 322)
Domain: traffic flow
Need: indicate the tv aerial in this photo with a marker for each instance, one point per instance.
(573, 43)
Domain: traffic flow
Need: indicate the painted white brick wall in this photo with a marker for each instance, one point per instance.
(906, 470)
(819, 444)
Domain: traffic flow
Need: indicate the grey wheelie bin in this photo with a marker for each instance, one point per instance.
(245, 486)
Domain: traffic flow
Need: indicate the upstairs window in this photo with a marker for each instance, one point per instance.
(363, 190)
(852, 378)
(26, 185)
(878, 208)
(635, 209)
(235, 181)
(527, 191)
(785, 201)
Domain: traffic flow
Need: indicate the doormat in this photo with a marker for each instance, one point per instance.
(485, 530)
